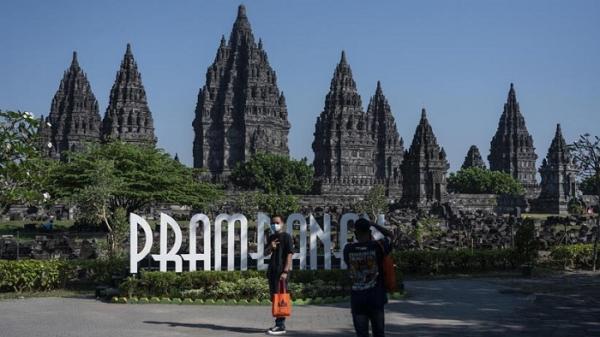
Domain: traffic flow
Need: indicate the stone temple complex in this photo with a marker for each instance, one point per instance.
(128, 117)
(511, 149)
(558, 172)
(355, 150)
(425, 167)
(473, 158)
(74, 118)
(240, 110)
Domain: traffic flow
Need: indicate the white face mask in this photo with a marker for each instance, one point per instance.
(276, 227)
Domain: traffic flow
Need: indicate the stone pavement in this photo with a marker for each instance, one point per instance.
(454, 307)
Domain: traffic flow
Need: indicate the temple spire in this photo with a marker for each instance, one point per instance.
(240, 110)
(128, 117)
(473, 159)
(512, 96)
(389, 149)
(378, 90)
(558, 173)
(74, 118)
(424, 167)
(241, 11)
(74, 62)
(343, 58)
(511, 148)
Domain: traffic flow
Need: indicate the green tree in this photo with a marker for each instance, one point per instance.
(480, 181)
(22, 172)
(586, 154)
(590, 185)
(133, 177)
(274, 174)
(250, 203)
(374, 203)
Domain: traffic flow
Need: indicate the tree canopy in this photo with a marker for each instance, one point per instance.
(590, 185)
(22, 171)
(130, 177)
(274, 174)
(477, 180)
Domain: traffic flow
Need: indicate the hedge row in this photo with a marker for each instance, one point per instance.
(42, 275)
(455, 261)
(238, 285)
(32, 275)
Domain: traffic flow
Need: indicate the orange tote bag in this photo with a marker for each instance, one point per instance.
(282, 302)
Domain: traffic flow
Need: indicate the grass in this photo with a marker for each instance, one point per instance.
(538, 216)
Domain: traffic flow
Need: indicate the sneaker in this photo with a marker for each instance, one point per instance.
(276, 330)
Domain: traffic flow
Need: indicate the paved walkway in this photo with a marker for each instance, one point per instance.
(457, 307)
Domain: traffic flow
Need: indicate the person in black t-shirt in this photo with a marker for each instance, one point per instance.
(365, 263)
(280, 246)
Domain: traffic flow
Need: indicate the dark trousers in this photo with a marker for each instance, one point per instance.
(361, 323)
(273, 289)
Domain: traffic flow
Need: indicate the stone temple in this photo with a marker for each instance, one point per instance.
(74, 119)
(473, 159)
(424, 168)
(240, 110)
(128, 117)
(511, 149)
(355, 150)
(558, 172)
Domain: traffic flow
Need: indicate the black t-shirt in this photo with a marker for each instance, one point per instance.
(279, 254)
(364, 260)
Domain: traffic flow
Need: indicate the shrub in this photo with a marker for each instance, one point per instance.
(454, 261)
(479, 180)
(99, 271)
(574, 256)
(526, 244)
(274, 174)
(238, 285)
(32, 275)
(575, 207)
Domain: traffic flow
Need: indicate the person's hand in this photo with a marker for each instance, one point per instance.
(283, 276)
(274, 243)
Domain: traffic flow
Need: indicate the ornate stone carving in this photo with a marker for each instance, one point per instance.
(240, 110)
(74, 119)
(558, 172)
(424, 168)
(128, 117)
(473, 158)
(512, 148)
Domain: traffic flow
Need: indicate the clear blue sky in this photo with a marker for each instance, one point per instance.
(456, 58)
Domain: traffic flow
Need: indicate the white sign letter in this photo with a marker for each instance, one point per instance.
(135, 257)
(164, 256)
(193, 256)
(301, 220)
(261, 220)
(325, 236)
